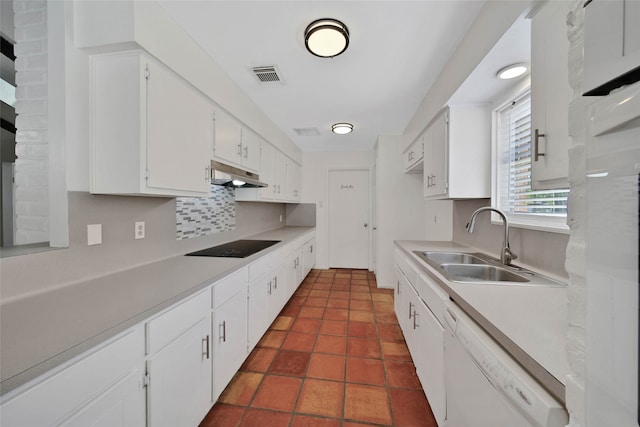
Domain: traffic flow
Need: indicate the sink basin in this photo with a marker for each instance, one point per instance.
(451, 258)
(481, 273)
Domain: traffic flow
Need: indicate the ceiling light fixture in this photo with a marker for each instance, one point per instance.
(326, 38)
(512, 71)
(342, 128)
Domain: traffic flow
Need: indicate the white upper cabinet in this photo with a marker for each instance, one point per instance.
(151, 132)
(413, 155)
(294, 181)
(550, 97)
(611, 45)
(457, 154)
(282, 175)
(235, 143)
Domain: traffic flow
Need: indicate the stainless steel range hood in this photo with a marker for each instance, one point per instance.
(229, 176)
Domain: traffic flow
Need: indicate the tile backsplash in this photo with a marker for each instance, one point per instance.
(201, 216)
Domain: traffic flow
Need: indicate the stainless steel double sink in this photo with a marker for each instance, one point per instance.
(480, 268)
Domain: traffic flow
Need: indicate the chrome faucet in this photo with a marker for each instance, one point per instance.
(506, 256)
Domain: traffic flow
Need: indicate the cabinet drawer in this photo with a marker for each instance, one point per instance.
(229, 286)
(258, 268)
(57, 396)
(173, 323)
(405, 266)
(278, 257)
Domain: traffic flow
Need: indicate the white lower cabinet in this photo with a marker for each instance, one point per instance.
(423, 332)
(179, 363)
(229, 328)
(309, 255)
(102, 387)
(261, 294)
(180, 379)
(294, 271)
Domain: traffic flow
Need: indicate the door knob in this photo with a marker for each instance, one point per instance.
(366, 225)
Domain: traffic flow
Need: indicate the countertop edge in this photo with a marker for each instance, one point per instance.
(544, 377)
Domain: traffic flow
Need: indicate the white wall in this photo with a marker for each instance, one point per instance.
(315, 179)
(399, 206)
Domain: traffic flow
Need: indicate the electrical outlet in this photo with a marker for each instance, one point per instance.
(139, 232)
(94, 234)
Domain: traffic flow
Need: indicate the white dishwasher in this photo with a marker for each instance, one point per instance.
(486, 387)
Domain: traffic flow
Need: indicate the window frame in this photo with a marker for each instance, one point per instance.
(530, 222)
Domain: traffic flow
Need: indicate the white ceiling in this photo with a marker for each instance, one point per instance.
(396, 51)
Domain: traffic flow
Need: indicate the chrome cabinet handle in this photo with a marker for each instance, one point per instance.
(246, 152)
(275, 282)
(433, 180)
(398, 282)
(239, 149)
(415, 325)
(207, 174)
(269, 291)
(366, 225)
(536, 136)
(205, 342)
(223, 326)
(410, 310)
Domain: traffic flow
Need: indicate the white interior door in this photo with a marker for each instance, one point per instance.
(349, 219)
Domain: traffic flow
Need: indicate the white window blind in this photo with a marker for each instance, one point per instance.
(515, 196)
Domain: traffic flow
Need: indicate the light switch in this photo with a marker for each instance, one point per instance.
(94, 234)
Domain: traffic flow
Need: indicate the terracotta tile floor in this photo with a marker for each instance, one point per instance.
(335, 356)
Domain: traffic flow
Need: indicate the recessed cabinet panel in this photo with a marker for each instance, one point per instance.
(179, 392)
(151, 133)
(457, 153)
(250, 150)
(228, 138)
(550, 97)
(235, 143)
(230, 339)
(413, 155)
(180, 138)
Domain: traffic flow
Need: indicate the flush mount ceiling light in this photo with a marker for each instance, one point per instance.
(512, 71)
(326, 38)
(342, 128)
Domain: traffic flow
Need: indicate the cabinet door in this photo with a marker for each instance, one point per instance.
(230, 339)
(122, 405)
(261, 293)
(281, 176)
(436, 157)
(179, 392)
(268, 171)
(179, 133)
(309, 256)
(228, 138)
(294, 181)
(414, 155)
(404, 306)
(251, 150)
(428, 355)
(550, 97)
(279, 295)
(91, 387)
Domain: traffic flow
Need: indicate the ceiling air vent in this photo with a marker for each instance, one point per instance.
(306, 131)
(267, 74)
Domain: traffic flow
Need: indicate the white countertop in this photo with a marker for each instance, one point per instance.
(529, 321)
(40, 332)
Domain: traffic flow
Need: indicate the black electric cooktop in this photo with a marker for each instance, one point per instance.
(236, 249)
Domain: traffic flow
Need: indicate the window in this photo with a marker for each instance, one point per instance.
(525, 207)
